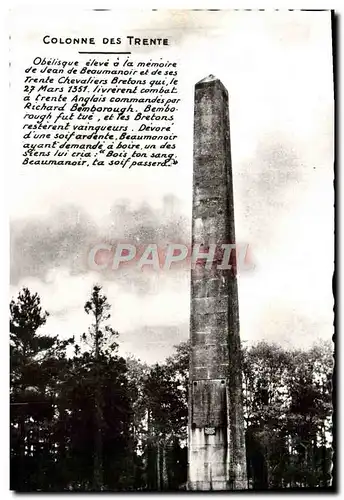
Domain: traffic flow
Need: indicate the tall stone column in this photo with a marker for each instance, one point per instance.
(216, 450)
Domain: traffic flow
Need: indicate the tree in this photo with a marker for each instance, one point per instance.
(36, 364)
(310, 414)
(165, 392)
(101, 338)
(81, 423)
(287, 397)
(95, 421)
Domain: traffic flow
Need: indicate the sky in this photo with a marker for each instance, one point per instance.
(277, 68)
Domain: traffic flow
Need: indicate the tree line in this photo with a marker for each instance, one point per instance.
(83, 418)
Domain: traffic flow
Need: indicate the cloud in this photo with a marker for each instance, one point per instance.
(57, 240)
(281, 106)
(294, 328)
(64, 238)
(153, 343)
(262, 187)
(149, 324)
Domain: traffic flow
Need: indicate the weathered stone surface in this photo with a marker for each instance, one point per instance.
(217, 460)
(214, 324)
(213, 287)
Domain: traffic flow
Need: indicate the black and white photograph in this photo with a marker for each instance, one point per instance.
(171, 203)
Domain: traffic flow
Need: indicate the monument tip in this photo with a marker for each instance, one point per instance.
(209, 78)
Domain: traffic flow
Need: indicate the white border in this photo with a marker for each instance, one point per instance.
(337, 5)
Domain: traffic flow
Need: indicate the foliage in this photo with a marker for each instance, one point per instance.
(96, 421)
(288, 413)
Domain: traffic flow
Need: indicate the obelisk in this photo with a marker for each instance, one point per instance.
(216, 446)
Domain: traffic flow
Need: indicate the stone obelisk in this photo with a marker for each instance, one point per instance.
(216, 449)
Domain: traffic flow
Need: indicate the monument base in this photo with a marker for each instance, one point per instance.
(208, 459)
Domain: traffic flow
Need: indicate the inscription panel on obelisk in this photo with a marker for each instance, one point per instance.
(216, 451)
